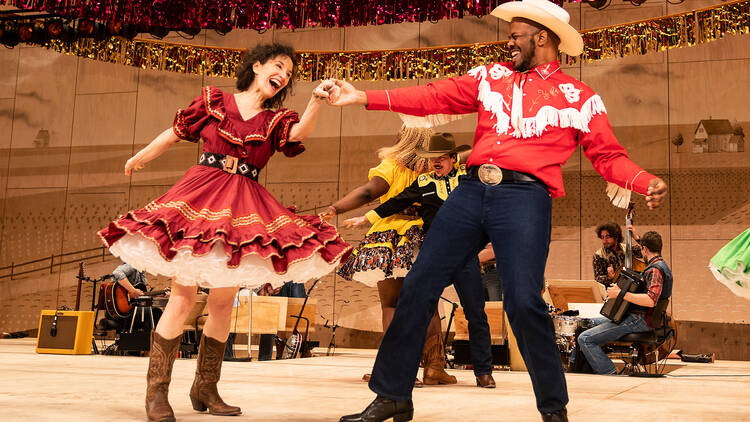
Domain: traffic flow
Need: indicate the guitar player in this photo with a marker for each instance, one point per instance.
(132, 280)
(658, 281)
(611, 256)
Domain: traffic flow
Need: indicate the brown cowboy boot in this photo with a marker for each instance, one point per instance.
(204, 394)
(434, 361)
(160, 362)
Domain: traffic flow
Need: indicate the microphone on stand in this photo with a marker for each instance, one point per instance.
(53, 329)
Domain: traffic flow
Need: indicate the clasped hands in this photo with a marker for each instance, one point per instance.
(335, 92)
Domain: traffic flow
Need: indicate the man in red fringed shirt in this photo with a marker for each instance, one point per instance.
(531, 117)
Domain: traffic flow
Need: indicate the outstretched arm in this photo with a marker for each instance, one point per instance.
(611, 161)
(456, 95)
(309, 118)
(156, 148)
(358, 197)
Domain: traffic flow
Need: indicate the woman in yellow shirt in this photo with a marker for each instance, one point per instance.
(389, 248)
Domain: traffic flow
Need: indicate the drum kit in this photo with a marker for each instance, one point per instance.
(567, 329)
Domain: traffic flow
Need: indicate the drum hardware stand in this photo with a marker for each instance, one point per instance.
(332, 344)
(454, 307)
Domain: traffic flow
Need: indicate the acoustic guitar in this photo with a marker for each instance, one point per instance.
(117, 301)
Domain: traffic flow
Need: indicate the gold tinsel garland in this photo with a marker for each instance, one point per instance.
(634, 38)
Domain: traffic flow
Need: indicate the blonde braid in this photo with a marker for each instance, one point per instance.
(405, 150)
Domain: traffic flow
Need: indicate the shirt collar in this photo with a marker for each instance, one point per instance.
(447, 176)
(654, 259)
(546, 70)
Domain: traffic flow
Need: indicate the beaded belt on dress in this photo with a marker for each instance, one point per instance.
(229, 164)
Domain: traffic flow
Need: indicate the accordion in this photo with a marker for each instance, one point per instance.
(628, 281)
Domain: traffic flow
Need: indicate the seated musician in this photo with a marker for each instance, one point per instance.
(428, 193)
(658, 281)
(611, 256)
(132, 280)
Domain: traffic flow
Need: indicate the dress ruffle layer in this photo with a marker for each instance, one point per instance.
(731, 265)
(213, 217)
(382, 255)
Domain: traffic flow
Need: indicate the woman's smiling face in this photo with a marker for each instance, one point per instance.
(273, 75)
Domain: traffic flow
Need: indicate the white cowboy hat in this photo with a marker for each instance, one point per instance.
(548, 14)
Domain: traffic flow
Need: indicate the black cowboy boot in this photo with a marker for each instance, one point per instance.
(559, 416)
(381, 409)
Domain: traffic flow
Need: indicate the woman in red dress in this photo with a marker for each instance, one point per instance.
(217, 227)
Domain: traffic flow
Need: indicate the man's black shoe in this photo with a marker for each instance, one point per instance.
(382, 409)
(559, 416)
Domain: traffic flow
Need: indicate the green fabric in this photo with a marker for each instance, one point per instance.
(735, 252)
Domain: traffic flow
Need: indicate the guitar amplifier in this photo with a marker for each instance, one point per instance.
(617, 309)
(65, 332)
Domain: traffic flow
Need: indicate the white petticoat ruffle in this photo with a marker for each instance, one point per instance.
(737, 280)
(211, 270)
(371, 278)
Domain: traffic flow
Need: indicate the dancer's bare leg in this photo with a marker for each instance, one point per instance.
(388, 291)
(181, 302)
(219, 307)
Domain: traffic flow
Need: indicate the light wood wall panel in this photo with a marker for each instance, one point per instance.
(100, 114)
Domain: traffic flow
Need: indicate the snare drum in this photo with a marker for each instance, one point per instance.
(565, 326)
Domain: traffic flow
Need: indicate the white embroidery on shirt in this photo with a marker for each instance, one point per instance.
(547, 116)
(498, 71)
(572, 94)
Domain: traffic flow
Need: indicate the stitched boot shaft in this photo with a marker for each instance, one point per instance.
(434, 361)
(204, 394)
(161, 359)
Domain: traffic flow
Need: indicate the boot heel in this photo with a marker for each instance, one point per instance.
(198, 405)
(404, 417)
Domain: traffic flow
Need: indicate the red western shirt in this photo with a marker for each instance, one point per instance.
(529, 122)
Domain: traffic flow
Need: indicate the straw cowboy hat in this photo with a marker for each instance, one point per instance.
(441, 143)
(548, 14)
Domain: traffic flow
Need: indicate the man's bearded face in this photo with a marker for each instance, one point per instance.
(522, 45)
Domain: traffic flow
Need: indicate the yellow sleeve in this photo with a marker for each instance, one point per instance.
(384, 170)
(372, 216)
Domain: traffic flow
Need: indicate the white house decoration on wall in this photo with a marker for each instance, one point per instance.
(718, 135)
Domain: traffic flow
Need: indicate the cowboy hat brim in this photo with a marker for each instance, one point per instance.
(432, 154)
(571, 42)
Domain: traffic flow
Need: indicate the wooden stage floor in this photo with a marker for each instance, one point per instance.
(36, 387)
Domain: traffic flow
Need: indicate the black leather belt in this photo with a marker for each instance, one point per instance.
(490, 174)
(229, 164)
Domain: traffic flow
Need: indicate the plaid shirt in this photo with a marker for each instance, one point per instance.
(654, 280)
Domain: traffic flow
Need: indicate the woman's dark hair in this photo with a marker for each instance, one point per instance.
(613, 229)
(262, 53)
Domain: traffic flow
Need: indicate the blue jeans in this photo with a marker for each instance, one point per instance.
(606, 331)
(516, 218)
(468, 284)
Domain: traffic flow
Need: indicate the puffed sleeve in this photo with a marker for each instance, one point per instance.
(188, 122)
(281, 126)
(384, 170)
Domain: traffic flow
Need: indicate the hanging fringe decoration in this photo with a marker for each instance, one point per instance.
(619, 196)
(258, 15)
(635, 38)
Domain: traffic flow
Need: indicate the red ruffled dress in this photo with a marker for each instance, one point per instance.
(218, 229)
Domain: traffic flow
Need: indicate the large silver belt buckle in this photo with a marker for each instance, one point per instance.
(490, 174)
